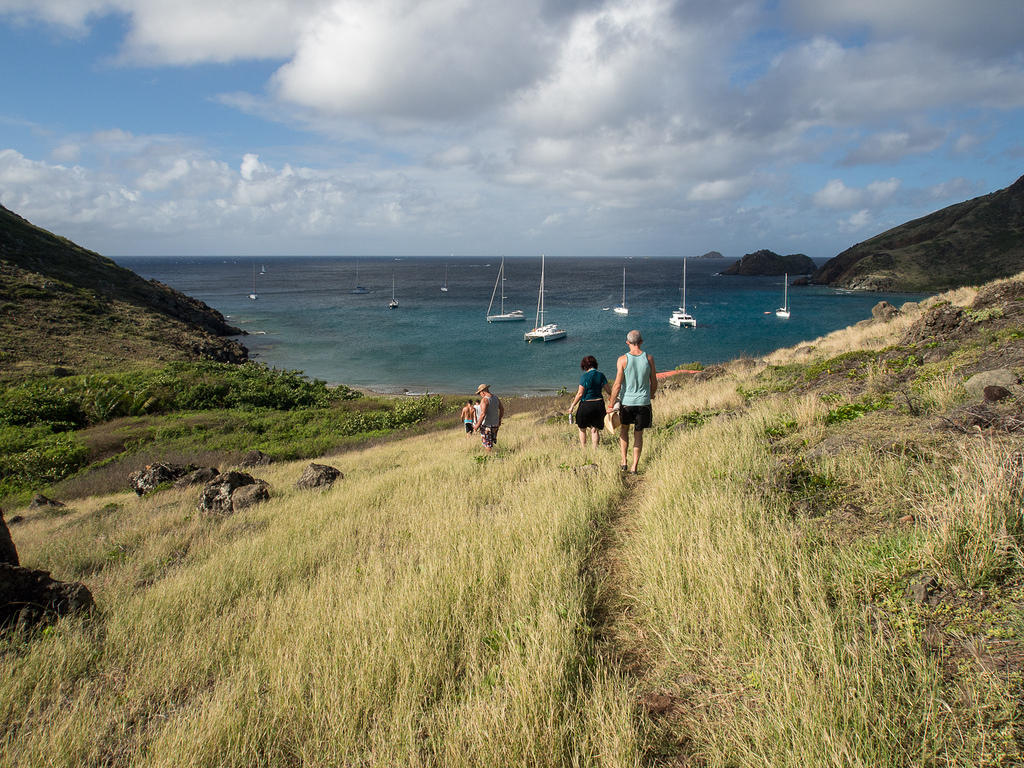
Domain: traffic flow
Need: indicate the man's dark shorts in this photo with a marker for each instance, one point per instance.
(488, 436)
(469, 427)
(639, 416)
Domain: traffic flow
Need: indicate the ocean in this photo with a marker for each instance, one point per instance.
(306, 318)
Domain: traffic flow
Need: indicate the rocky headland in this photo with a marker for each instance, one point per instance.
(765, 262)
(968, 243)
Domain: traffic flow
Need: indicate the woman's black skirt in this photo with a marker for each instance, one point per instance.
(590, 414)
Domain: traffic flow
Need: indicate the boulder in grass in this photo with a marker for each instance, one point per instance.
(883, 310)
(39, 501)
(318, 476)
(1000, 377)
(29, 597)
(154, 475)
(255, 459)
(248, 495)
(8, 552)
(198, 477)
(224, 494)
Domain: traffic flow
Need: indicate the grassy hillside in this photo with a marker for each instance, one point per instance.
(57, 299)
(965, 244)
(820, 564)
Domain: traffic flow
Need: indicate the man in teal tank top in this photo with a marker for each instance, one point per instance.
(636, 382)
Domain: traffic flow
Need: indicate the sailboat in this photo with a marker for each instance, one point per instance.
(253, 294)
(783, 311)
(502, 316)
(444, 288)
(393, 304)
(621, 309)
(680, 317)
(358, 289)
(263, 269)
(543, 331)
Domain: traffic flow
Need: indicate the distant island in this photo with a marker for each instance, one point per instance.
(765, 262)
(710, 255)
(965, 244)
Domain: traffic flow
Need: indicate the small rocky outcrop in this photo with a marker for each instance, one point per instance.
(765, 262)
(883, 311)
(30, 596)
(39, 502)
(230, 492)
(255, 459)
(198, 477)
(711, 255)
(944, 322)
(8, 552)
(1002, 378)
(318, 476)
(153, 475)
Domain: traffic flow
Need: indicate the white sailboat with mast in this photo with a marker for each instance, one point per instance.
(444, 288)
(680, 317)
(393, 304)
(783, 311)
(543, 331)
(358, 289)
(621, 309)
(502, 316)
(253, 295)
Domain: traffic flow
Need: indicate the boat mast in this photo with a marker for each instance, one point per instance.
(539, 319)
(684, 286)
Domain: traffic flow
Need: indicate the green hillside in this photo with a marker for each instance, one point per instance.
(64, 307)
(965, 244)
(820, 564)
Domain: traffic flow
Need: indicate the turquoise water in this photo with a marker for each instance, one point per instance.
(305, 317)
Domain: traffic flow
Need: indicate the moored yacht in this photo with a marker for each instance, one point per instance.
(543, 331)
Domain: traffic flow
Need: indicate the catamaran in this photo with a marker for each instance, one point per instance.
(253, 294)
(503, 316)
(783, 311)
(393, 304)
(444, 288)
(543, 331)
(680, 317)
(621, 309)
(358, 289)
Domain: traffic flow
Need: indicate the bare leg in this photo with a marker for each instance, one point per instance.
(638, 446)
(595, 436)
(623, 442)
(583, 438)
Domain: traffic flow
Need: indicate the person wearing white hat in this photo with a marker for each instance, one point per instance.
(491, 414)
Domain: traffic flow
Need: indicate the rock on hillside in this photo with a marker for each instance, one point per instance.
(68, 306)
(965, 244)
(765, 262)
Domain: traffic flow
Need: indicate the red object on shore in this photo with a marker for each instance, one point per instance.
(666, 374)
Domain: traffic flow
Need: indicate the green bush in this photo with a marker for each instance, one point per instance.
(36, 456)
(41, 403)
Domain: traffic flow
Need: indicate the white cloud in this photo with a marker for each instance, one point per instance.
(835, 194)
(855, 222)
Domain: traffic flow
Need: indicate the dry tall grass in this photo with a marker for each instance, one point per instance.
(439, 608)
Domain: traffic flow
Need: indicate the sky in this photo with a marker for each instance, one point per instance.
(488, 127)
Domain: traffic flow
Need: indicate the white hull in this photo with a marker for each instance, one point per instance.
(682, 319)
(543, 331)
(549, 332)
(252, 296)
(621, 310)
(508, 317)
(783, 311)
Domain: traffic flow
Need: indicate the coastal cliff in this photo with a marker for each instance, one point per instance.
(965, 244)
(59, 298)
